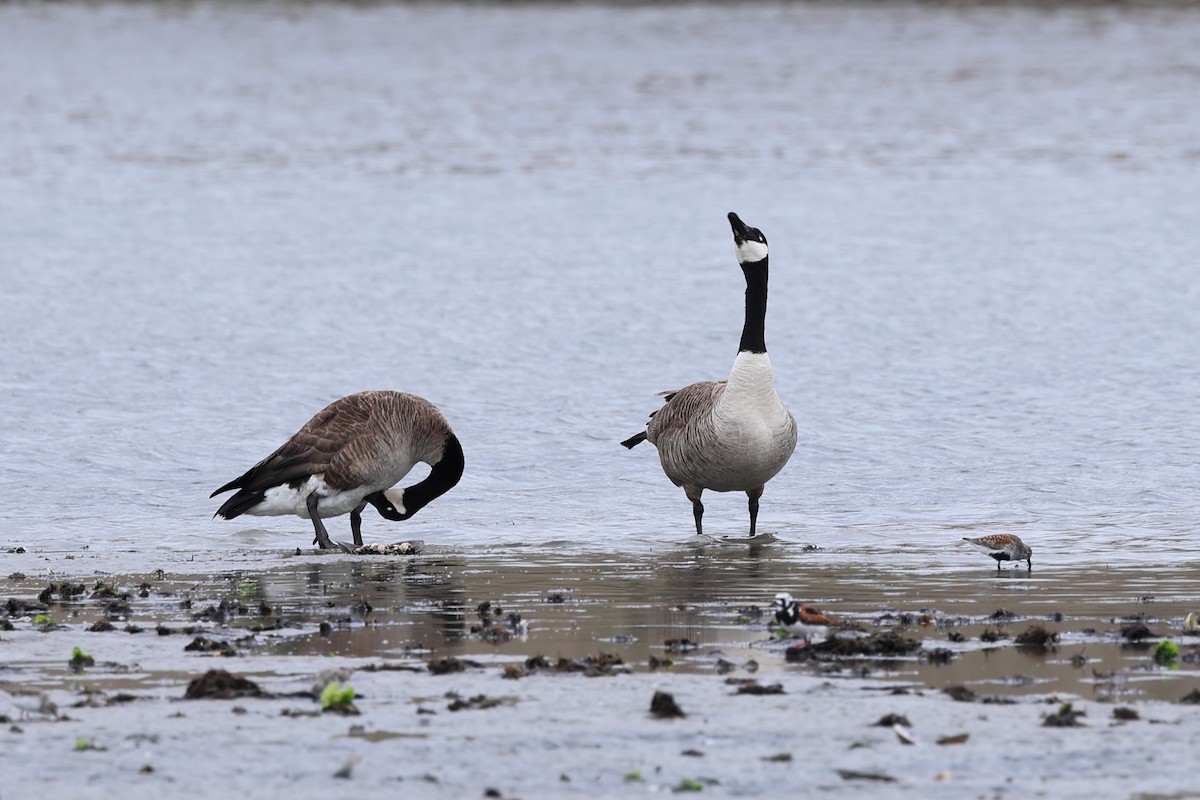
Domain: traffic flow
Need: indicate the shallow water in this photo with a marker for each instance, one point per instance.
(217, 219)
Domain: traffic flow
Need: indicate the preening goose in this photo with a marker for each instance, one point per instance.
(732, 435)
(352, 453)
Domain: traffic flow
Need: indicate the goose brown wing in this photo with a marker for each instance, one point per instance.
(683, 408)
(311, 450)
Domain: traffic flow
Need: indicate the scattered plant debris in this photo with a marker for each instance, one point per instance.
(1136, 632)
(778, 758)
(680, 645)
(449, 664)
(219, 684)
(888, 720)
(960, 693)
(338, 699)
(1036, 639)
(1065, 717)
(663, 706)
(878, 646)
(408, 548)
(80, 660)
(1125, 714)
(591, 666)
(203, 645)
(1191, 698)
(479, 701)
(1166, 654)
(855, 775)
(751, 686)
(939, 655)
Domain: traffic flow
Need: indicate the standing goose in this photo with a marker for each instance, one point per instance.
(352, 453)
(732, 435)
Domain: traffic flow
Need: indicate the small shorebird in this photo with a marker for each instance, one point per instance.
(799, 619)
(33, 702)
(732, 435)
(353, 452)
(1003, 547)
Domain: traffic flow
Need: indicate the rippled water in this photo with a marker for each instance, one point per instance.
(217, 219)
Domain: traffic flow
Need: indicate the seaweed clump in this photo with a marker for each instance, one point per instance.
(879, 646)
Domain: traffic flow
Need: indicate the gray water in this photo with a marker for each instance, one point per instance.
(215, 219)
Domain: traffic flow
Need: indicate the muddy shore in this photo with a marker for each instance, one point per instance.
(491, 674)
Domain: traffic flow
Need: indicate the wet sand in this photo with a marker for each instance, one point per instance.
(611, 630)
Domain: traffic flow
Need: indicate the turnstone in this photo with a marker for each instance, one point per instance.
(799, 619)
(1003, 547)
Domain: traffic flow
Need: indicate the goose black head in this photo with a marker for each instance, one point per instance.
(749, 242)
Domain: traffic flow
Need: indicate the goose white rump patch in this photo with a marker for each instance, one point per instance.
(284, 500)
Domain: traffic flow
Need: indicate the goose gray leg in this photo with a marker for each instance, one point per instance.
(323, 539)
(693, 493)
(356, 523)
(754, 494)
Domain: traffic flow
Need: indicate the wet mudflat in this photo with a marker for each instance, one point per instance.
(534, 674)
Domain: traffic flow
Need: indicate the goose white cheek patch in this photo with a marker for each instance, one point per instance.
(750, 251)
(396, 498)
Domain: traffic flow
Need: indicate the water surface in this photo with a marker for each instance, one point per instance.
(217, 219)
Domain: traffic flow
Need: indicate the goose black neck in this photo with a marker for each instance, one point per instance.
(754, 328)
(443, 477)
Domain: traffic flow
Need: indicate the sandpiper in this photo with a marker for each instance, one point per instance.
(33, 702)
(1003, 547)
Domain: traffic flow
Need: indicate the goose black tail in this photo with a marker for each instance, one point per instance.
(239, 504)
(634, 440)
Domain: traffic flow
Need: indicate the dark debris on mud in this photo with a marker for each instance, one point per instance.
(1036, 639)
(218, 684)
(1064, 717)
(752, 686)
(663, 706)
(880, 646)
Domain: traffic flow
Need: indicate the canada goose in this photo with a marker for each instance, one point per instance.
(352, 453)
(732, 435)
(800, 619)
(1003, 547)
